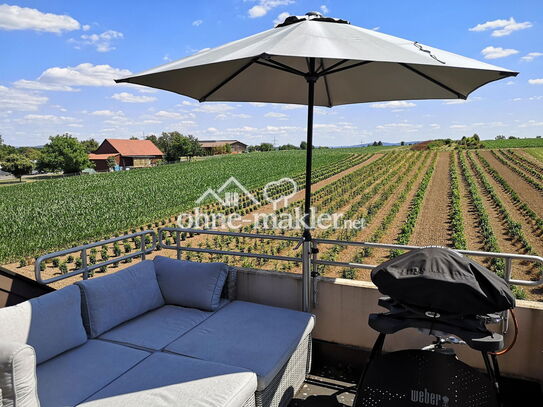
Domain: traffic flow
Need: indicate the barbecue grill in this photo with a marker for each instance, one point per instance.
(452, 298)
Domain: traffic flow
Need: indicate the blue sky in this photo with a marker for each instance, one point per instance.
(59, 59)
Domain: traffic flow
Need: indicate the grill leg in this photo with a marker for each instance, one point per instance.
(376, 350)
(493, 375)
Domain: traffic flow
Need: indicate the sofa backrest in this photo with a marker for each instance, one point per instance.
(191, 284)
(113, 299)
(51, 324)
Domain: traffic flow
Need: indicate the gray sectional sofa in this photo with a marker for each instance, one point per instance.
(159, 333)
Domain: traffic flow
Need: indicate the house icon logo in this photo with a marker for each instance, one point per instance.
(229, 198)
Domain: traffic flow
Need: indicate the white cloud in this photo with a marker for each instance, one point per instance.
(86, 27)
(24, 18)
(49, 118)
(531, 56)
(458, 126)
(169, 115)
(395, 104)
(325, 10)
(85, 74)
(36, 85)
(106, 113)
(20, 100)
(376, 28)
(501, 28)
(263, 6)
(102, 42)
(131, 98)
(276, 115)
(281, 17)
(531, 123)
(197, 23)
(497, 52)
(509, 83)
(538, 81)
(257, 104)
(292, 107)
(214, 108)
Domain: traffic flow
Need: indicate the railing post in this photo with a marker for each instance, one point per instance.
(143, 246)
(306, 275)
(314, 272)
(84, 264)
(508, 272)
(178, 243)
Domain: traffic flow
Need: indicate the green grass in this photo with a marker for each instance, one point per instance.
(515, 143)
(43, 216)
(536, 153)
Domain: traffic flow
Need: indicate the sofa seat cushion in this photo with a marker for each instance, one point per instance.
(73, 376)
(191, 284)
(111, 300)
(165, 380)
(155, 329)
(51, 324)
(256, 337)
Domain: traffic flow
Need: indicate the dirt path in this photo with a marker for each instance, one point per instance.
(433, 226)
(526, 191)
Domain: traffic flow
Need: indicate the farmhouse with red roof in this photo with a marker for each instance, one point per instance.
(127, 153)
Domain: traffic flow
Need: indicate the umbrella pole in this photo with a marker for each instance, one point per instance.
(307, 249)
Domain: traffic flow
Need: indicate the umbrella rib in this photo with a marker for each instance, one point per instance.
(292, 71)
(325, 71)
(224, 82)
(326, 83)
(344, 68)
(281, 65)
(435, 81)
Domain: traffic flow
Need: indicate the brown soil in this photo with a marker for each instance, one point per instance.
(433, 227)
(528, 194)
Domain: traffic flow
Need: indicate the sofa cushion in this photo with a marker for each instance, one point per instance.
(51, 324)
(191, 284)
(256, 337)
(111, 300)
(72, 377)
(171, 380)
(157, 328)
(18, 387)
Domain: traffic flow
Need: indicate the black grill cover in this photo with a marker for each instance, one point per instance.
(442, 280)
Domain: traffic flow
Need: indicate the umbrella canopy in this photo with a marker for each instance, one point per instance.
(315, 60)
(355, 64)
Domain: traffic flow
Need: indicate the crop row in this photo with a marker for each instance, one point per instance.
(537, 153)
(537, 185)
(523, 206)
(455, 215)
(521, 162)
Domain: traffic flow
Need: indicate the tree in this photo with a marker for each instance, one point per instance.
(174, 145)
(402, 143)
(500, 137)
(266, 147)
(63, 153)
(111, 163)
(134, 138)
(91, 145)
(476, 137)
(303, 145)
(288, 147)
(17, 165)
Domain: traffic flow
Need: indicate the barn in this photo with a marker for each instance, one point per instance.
(127, 154)
(212, 147)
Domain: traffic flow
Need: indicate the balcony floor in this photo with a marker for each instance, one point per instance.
(336, 370)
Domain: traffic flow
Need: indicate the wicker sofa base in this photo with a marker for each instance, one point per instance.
(289, 379)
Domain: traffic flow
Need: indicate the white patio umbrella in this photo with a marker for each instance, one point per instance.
(315, 60)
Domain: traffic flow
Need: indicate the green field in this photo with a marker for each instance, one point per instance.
(536, 153)
(47, 215)
(515, 143)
